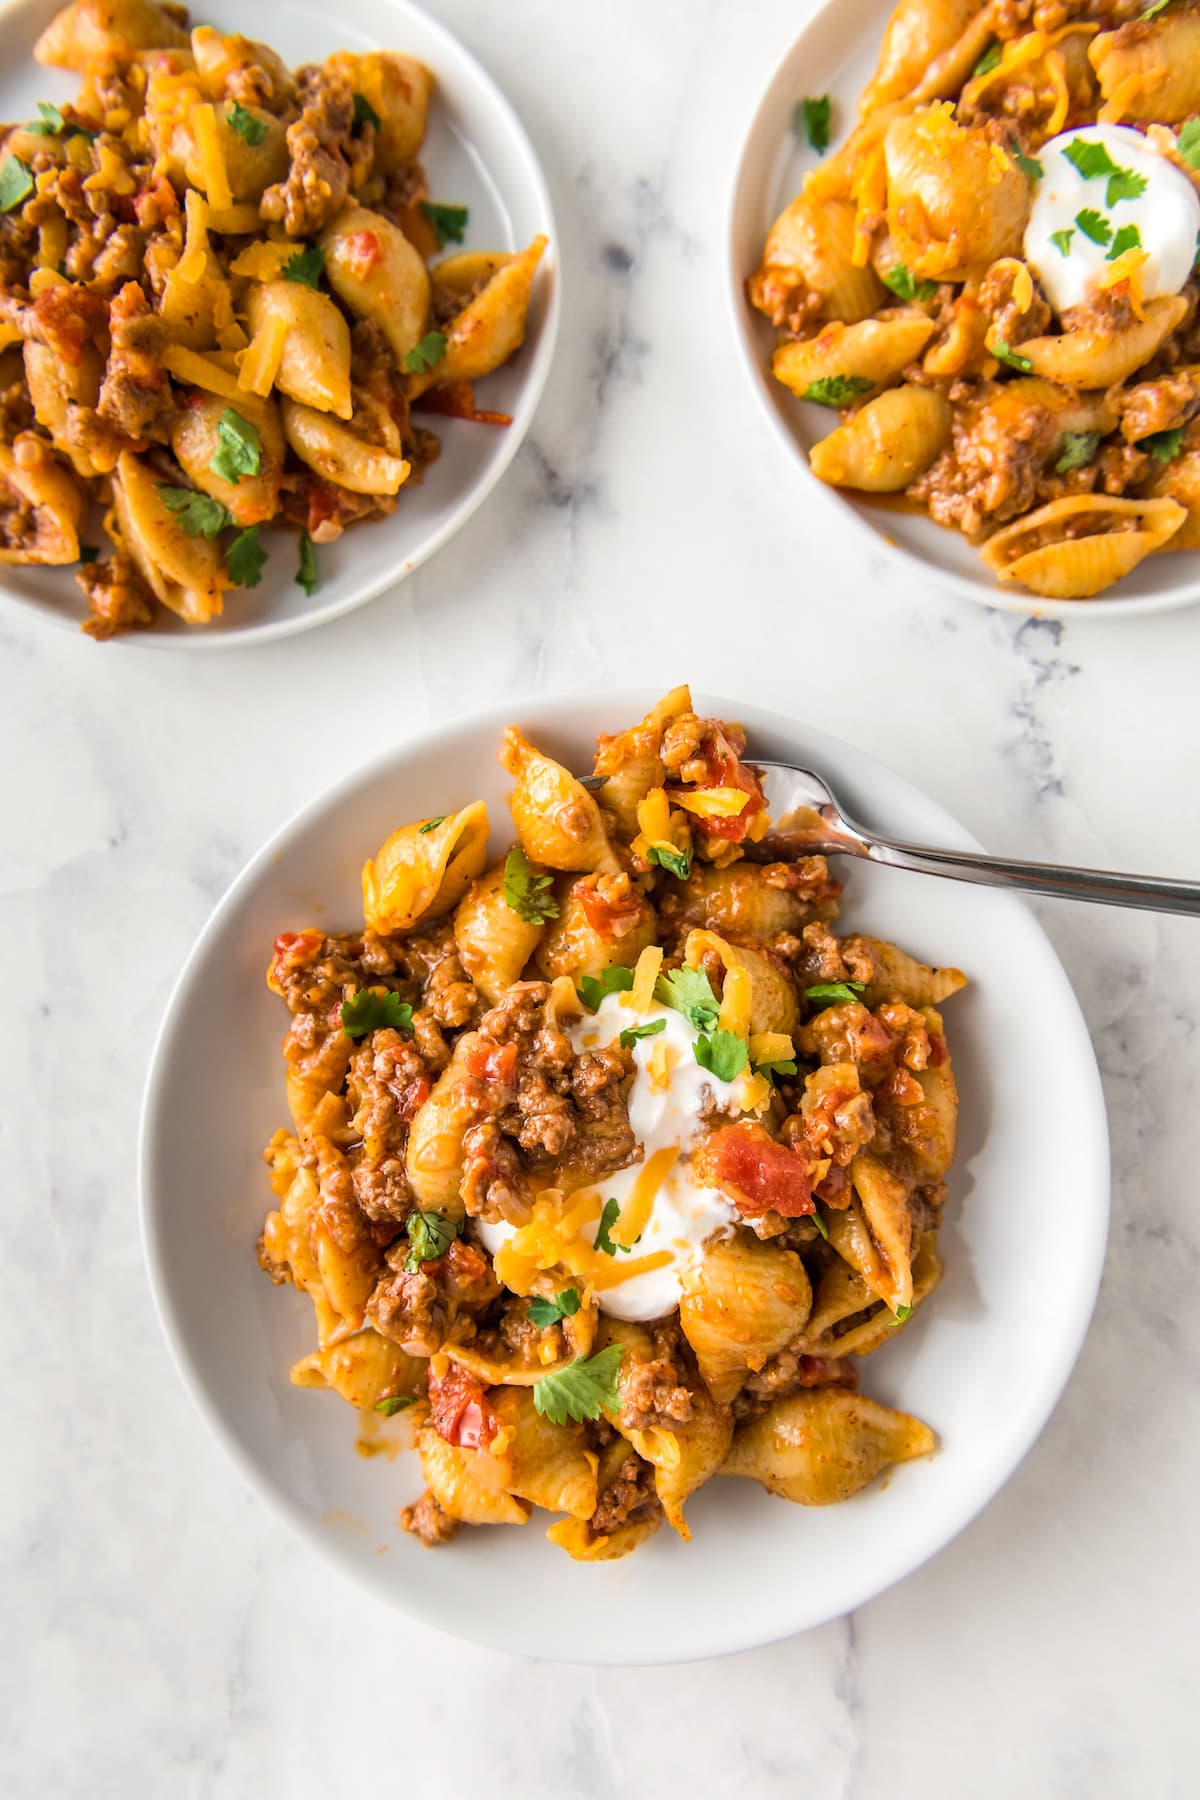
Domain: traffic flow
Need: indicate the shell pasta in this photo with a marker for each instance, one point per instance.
(992, 281)
(228, 299)
(609, 1157)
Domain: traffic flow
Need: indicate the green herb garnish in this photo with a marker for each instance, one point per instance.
(690, 992)
(305, 267)
(905, 285)
(1091, 158)
(630, 1036)
(373, 1010)
(1094, 225)
(1062, 240)
(723, 1054)
(902, 1313)
(1004, 352)
(50, 123)
(393, 1403)
(364, 114)
(306, 572)
(1126, 184)
(1189, 143)
(835, 993)
(432, 824)
(1163, 446)
(427, 354)
(991, 59)
(430, 1235)
(1078, 449)
(449, 222)
(837, 390)
(239, 447)
(581, 1391)
(1128, 238)
(16, 183)
(197, 514)
(820, 1224)
(593, 989)
(251, 129)
(246, 559)
(675, 862)
(528, 894)
(812, 121)
(608, 1218)
(1029, 166)
(545, 1313)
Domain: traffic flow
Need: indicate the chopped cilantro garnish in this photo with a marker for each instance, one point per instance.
(1189, 143)
(1094, 225)
(1091, 158)
(449, 222)
(772, 1069)
(675, 862)
(1154, 8)
(16, 183)
(544, 1313)
(430, 1235)
(902, 1313)
(1126, 184)
(372, 1010)
(364, 114)
(905, 285)
(305, 267)
(1004, 351)
(1062, 240)
(812, 121)
(528, 894)
(197, 514)
(593, 989)
(690, 992)
(630, 1036)
(835, 993)
(50, 123)
(393, 1403)
(581, 1391)
(246, 559)
(837, 390)
(1128, 238)
(608, 1219)
(239, 447)
(723, 1054)
(1029, 166)
(432, 824)
(306, 572)
(1163, 446)
(427, 354)
(991, 59)
(820, 1224)
(1078, 449)
(250, 128)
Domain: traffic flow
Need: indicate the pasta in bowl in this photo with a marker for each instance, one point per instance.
(990, 280)
(236, 305)
(609, 1159)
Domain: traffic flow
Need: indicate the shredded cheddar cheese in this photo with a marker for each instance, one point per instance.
(194, 261)
(1123, 95)
(771, 1047)
(736, 999)
(635, 1265)
(201, 370)
(1056, 70)
(754, 1094)
(238, 221)
(1128, 267)
(262, 261)
(214, 175)
(52, 241)
(713, 802)
(636, 1211)
(42, 279)
(640, 997)
(659, 1064)
(260, 362)
(1022, 288)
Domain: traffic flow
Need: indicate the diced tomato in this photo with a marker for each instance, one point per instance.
(459, 1410)
(414, 1097)
(722, 757)
(938, 1052)
(492, 1062)
(456, 400)
(363, 250)
(758, 1173)
(611, 918)
(816, 1371)
(292, 950)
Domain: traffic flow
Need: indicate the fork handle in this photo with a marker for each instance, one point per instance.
(1104, 886)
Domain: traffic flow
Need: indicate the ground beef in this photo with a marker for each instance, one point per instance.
(387, 1083)
(1008, 320)
(118, 599)
(627, 1500)
(427, 1521)
(994, 463)
(1160, 405)
(318, 179)
(1012, 18)
(789, 1373)
(447, 991)
(135, 394)
(425, 1308)
(278, 1271)
(786, 299)
(656, 1391)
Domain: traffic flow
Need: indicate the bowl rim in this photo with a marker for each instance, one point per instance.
(544, 347)
(551, 713)
(998, 599)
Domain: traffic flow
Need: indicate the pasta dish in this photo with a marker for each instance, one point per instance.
(609, 1158)
(993, 282)
(222, 304)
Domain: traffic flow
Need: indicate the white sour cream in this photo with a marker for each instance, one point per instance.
(685, 1215)
(1166, 214)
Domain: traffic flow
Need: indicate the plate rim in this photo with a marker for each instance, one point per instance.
(743, 321)
(544, 349)
(549, 713)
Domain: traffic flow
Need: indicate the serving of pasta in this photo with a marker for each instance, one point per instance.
(228, 300)
(609, 1157)
(992, 280)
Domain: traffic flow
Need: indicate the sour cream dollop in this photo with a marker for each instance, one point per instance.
(668, 1101)
(1166, 214)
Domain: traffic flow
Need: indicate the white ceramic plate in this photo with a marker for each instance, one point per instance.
(836, 54)
(984, 1364)
(475, 153)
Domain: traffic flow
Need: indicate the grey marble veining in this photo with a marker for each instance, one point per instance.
(165, 1636)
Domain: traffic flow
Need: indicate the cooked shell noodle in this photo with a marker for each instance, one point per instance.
(1180, 481)
(315, 365)
(1153, 73)
(918, 33)
(288, 1233)
(814, 239)
(89, 31)
(931, 1140)
(1036, 552)
(899, 976)
(582, 1544)
(494, 942)
(742, 1302)
(842, 1295)
(338, 455)
(702, 1446)
(488, 331)
(252, 499)
(362, 1369)
(419, 875)
(824, 1444)
(546, 1463)
(573, 946)
(185, 573)
(348, 1276)
(951, 208)
(739, 903)
(467, 1484)
(389, 284)
(32, 473)
(398, 90)
(630, 761)
(884, 1200)
(557, 820)
(1094, 358)
(887, 443)
(433, 1158)
(508, 1370)
(773, 1005)
(58, 389)
(874, 350)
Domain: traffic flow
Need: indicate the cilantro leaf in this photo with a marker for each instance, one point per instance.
(675, 862)
(1078, 449)
(812, 121)
(364, 114)
(370, 1010)
(239, 447)
(581, 1391)
(835, 993)
(902, 1313)
(88, 553)
(249, 128)
(820, 1224)
(246, 559)
(50, 123)
(306, 573)
(690, 992)
(991, 59)
(1189, 143)
(305, 267)
(1126, 184)
(723, 1054)
(608, 1219)
(1062, 240)
(1094, 225)
(198, 514)
(430, 1235)
(905, 285)
(1128, 238)
(393, 1403)
(432, 824)
(1163, 446)
(449, 222)
(593, 989)
(1090, 157)
(771, 1069)
(528, 894)
(1029, 166)
(427, 354)
(837, 390)
(16, 183)
(544, 1313)
(1006, 354)
(1154, 8)
(629, 1037)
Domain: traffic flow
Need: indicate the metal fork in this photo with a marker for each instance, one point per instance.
(810, 822)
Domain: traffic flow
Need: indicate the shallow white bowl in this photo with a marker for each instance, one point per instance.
(836, 54)
(984, 1363)
(475, 153)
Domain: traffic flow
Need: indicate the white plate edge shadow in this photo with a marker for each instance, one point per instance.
(748, 196)
(550, 713)
(540, 349)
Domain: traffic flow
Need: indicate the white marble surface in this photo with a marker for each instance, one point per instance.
(164, 1634)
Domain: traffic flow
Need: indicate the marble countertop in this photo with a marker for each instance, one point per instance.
(165, 1634)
